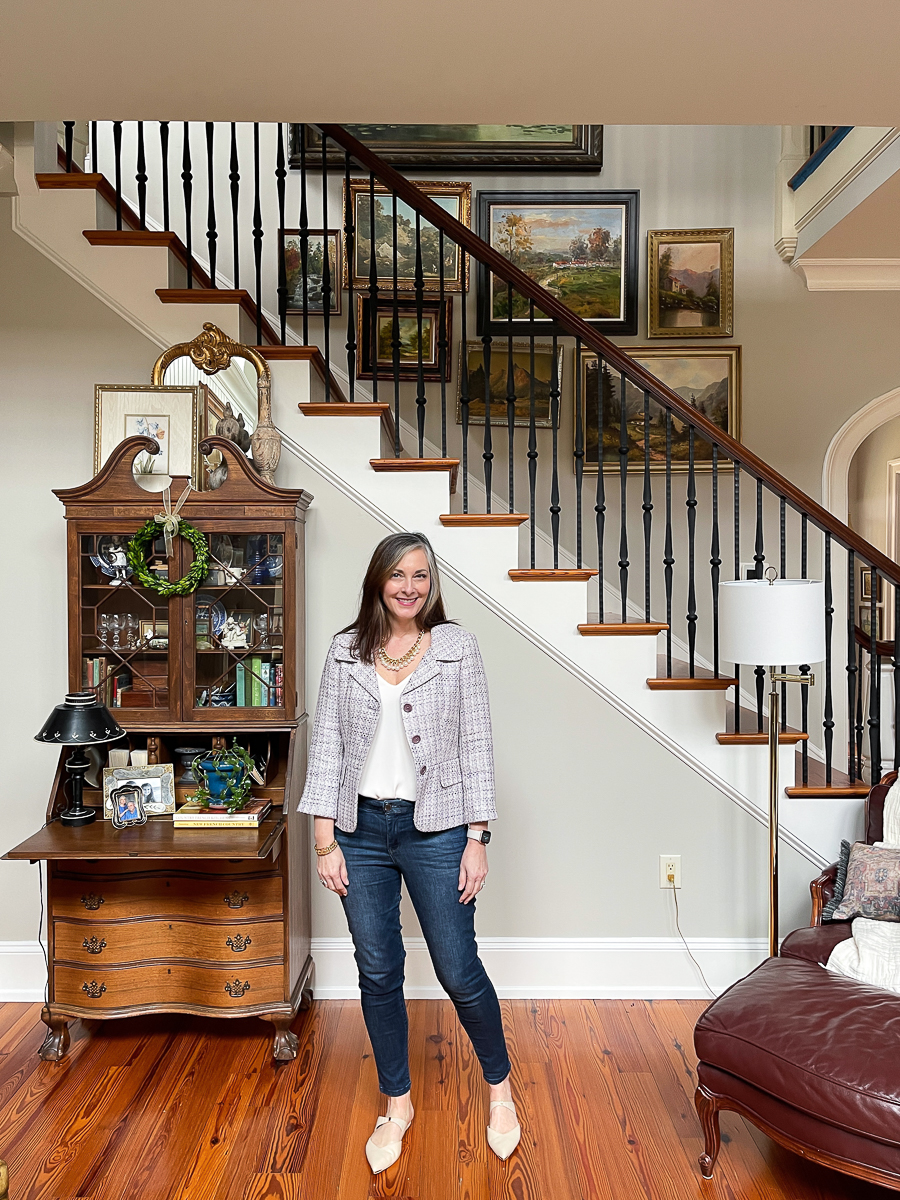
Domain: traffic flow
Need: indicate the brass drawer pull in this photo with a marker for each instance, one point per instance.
(95, 990)
(236, 899)
(236, 990)
(238, 944)
(91, 902)
(93, 946)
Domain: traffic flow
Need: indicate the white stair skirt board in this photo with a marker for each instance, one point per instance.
(563, 968)
(22, 973)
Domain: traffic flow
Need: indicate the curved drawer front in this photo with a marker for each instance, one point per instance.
(137, 941)
(102, 989)
(169, 896)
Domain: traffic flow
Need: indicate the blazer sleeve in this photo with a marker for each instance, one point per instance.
(476, 747)
(326, 748)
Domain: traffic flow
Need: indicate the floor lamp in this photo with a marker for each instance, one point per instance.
(773, 621)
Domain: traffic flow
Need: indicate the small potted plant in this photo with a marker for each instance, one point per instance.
(224, 778)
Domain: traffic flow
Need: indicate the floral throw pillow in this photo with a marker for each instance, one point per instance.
(872, 888)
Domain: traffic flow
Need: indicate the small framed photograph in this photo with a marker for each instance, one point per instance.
(530, 375)
(127, 806)
(865, 622)
(315, 270)
(690, 287)
(156, 785)
(152, 631)
(172, 415)
(865, 586)
(408, 325)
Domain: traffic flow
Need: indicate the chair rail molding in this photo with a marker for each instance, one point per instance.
(845, 443)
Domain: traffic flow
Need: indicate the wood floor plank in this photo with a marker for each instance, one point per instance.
(470, 1165)
(285, 1186)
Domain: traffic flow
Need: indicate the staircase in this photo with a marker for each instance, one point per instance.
(671, 686)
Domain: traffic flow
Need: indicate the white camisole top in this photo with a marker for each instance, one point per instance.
(390, 772)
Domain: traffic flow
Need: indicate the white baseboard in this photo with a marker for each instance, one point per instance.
(531, 968)
(564, 968)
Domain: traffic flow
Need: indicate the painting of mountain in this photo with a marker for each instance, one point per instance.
(690, 282)
(521, 383)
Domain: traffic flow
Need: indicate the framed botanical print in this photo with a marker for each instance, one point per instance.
(315, 270)
(454, 198)
(690, 288)
(708, 378)
(580, 246)
(408, 337)
(865, 586)
(530, 375)
(485, 147)
(173, 415)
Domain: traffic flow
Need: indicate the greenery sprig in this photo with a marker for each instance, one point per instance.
(237, 790)
(143, 540)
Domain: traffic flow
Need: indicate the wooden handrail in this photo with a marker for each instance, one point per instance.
(612, 354)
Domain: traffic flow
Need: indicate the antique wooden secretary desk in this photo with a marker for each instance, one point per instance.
(214, 922)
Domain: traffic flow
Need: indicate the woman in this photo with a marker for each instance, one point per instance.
(401, 783)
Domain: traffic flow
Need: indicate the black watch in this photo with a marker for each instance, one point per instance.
(484, 835)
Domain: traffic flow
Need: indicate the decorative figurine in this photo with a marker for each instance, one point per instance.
(112, 561)
(232, 427)
(233, 635)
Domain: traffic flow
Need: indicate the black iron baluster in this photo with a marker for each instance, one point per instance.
(349, 242)
(759, 559)
(326, 273)
(579, 443)
(851, 661)
(140, 177)
(69, 137)
(783, 564)
(860, 725)
(487, 453)
(211, 234)
(532, 434)
(600, 503)
(554, 470)
(511, 414)
(895, 663)
(164, 155)
(280, 176)
(647, 506)
(395, 324)
(234, 180)
(760, 672)
(187, 188)
(373, 310)
(94, 145)
(623, 500)
(117, 153)
(419, 287)
(715, 562)
(668, 553)
(464, 387)
(737, 575)
(443, 345)
(691, 505)
(258, 235)
(304, 237)
(874, 721)
(828, 722)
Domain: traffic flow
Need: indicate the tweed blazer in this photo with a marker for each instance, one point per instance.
(447, 720)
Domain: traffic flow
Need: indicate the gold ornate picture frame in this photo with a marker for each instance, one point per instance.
(690, 284)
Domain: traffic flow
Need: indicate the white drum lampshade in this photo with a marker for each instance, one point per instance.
(772, 623)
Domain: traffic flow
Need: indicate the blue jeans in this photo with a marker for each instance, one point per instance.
(384, 848)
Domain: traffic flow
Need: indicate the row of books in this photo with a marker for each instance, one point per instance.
(97, 675)
(192, 816)
(260, 684)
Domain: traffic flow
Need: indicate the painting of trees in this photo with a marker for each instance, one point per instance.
(513, 236)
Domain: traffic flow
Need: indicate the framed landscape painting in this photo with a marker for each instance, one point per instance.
(571, 147)
(315, 274)
(690, 289)
(580, 246)
(708, 378)
(408, 339)
(454, 198)
(525, 380)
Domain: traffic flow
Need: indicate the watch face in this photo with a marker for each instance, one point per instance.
(485, 837)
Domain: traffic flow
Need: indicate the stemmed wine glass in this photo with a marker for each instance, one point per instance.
(261, 625)
(116, 625)
(103, 628)
(130, 624)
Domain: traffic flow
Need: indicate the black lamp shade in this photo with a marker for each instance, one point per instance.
(80, 721)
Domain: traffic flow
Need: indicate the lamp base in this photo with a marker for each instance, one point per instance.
(86, 817)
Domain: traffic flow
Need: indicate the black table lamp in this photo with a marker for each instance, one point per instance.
(80, 721)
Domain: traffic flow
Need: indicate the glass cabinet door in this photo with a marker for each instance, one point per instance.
(124, 631)
(238, 634)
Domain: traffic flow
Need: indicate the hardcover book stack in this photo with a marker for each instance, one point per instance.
(193, 816)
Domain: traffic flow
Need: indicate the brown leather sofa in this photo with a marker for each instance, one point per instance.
(811, 1058)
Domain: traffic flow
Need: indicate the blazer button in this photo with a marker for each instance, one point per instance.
(407, 708)
(424, 769)
(416, 739)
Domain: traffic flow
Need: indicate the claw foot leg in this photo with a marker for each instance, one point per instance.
(284, 1046)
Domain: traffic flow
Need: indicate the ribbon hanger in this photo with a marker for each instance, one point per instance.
(169, 519)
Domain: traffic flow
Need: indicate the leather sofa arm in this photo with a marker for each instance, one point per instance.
(821, 890)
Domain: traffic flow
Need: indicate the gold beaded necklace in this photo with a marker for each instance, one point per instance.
(397, 664)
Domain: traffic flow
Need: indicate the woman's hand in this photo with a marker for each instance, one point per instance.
(473, 870)
(333, 871)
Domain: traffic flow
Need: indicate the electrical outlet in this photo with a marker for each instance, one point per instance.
(669, 864)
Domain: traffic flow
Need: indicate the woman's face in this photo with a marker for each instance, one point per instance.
(406, 591)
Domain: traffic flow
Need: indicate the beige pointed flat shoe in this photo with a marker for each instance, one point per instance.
(382, 1157)
(503, 1144)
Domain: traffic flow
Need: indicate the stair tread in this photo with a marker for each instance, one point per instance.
(551, 575)
(418, 464)
(815, 786)
(750, 727)
(476, 520)
(626, 629)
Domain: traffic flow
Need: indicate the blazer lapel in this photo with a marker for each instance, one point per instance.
(365, 675)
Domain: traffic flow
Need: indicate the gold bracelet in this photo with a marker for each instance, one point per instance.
(321, 851)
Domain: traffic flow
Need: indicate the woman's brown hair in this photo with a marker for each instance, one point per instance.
(372, 626)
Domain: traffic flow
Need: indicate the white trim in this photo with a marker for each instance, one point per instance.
(844, 182)
(22, 973)
(845, 443)
(564, 968)
(849, 274)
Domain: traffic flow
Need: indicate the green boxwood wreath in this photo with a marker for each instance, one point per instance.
(144, 539)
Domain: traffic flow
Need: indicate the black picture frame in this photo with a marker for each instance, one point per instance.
(406, 310)
(628, 201)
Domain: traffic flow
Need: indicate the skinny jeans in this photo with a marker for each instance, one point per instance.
(384, 849)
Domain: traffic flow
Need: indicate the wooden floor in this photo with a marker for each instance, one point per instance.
(178, 1107)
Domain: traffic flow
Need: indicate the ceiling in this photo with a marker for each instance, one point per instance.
(774, 62)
